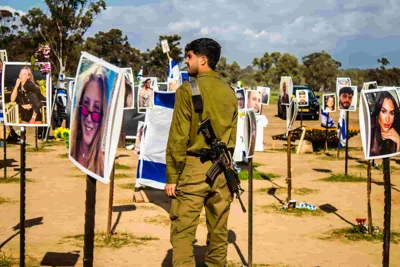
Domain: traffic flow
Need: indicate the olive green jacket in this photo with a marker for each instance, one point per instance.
(219, 104)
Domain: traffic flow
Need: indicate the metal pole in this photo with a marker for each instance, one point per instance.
(387, 210)
(5, 150)
(110, 202)
(369, 197)
(289, 171)
(22, 200)
(301, 118)
(250, 215)
(51, 114)
(347, 143)
(89, 221)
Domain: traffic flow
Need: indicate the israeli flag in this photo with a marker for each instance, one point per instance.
(151, 170)
(173, 70)
(140, 74)
(342, 131)
(324, 119)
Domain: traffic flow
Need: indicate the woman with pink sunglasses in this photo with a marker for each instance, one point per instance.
(88, 123)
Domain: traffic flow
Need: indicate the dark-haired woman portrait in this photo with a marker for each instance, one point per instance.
(385, 138)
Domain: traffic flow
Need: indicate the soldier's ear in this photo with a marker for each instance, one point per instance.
(203, 60)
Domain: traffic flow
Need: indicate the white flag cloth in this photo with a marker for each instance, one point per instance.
(151, 170)
(324, 118)
(342, 131)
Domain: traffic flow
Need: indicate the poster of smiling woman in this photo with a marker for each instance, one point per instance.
(96, 113)
(379, 122)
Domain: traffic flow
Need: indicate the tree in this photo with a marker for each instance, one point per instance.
(156, 62)
(8, 24)
(288, 65)
(63, 28)
(263, 63)
(384, 61)
(113, 47)
(320, 69)
(230, 73)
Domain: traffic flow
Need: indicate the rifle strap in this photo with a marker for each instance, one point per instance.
(196, 98)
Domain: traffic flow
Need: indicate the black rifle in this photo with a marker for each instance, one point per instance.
(221, 159)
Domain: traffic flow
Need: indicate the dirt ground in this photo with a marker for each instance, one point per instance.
(56, 199)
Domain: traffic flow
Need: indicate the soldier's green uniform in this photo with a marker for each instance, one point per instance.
(186, 170)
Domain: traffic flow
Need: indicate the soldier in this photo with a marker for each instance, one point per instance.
(186, 175)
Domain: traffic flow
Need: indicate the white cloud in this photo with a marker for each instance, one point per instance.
(184, 25)
(12, 10)
(247, 29)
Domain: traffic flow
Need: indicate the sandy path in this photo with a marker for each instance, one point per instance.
(58, 195)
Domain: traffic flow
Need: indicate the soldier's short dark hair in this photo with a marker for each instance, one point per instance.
(347, 90)
(205, 47)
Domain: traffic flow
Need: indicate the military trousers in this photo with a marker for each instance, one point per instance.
(194, 193)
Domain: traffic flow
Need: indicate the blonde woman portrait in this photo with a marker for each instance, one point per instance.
(88, 123)
(27, 95)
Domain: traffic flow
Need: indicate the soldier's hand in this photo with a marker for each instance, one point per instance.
(170, 190)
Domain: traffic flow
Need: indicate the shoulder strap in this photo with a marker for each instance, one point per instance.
(196, 97)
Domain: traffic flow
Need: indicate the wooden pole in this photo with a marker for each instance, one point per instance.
(90, 209)
(36, 138)
(347, 144)
(369, 198)
(387, 210)
(110, 203)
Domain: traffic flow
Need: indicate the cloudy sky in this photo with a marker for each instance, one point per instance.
(354, 32)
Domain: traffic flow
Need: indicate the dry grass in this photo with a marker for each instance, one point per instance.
(273, 208)
(115, 241)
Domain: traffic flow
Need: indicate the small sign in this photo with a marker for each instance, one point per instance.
(165, 46)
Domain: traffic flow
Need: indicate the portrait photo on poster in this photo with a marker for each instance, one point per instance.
(347, 98)
(250, 133)
(164, 46)
(370, 85)
(25, 95)
(302, 97)
(92, 114)
(173, 84)
(139, 134)
(265, 93)
(129, 98)
(70, 87)
(341, 82)
(240, 98)
(329, 102)
(253, 101)
(184, 77)
(147, 86)
(379, 122)
(3, 56)
(285, 90)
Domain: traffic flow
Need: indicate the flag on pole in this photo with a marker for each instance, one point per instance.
(324, 119)
(342, 131)
(140, 74)
(151, 170)
(173, 70)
